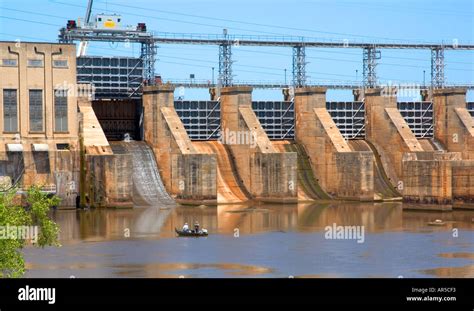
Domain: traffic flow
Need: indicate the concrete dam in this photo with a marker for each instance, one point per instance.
(150, 148)
(318, 162)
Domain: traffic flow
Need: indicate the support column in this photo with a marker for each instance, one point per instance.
(340, 171)
(453, 124)
(267, 174)
(188, 175)
(299, 66)
(426, 95)
(371, 56)
(437, 68)
(358, 95)
(387, 130)
(225, 64)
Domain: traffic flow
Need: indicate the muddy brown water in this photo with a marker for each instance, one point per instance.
(258, 241)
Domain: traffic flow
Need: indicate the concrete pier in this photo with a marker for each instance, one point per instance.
(188, 175)
(388, 132)
(267, 174)
(453, 124)
(341, 172)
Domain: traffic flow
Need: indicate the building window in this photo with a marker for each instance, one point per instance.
(60, 63)
(10, 62)
(60, 111)
(35, 63)
(10, 111)
(36, 111)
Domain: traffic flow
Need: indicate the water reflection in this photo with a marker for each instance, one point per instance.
(258, 241)
(106, 224)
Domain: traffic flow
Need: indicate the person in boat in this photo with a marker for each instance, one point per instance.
(186, 227)
(196, 227)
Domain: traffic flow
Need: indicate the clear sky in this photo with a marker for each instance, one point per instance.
(358, 20)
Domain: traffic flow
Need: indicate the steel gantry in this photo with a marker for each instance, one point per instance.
(371, 51)
(370, 57)
(437, 67)
(299, 66)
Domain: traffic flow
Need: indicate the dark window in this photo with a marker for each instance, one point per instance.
(10, 111)
(36, 110)
(60, 111)
(59, 63)
(35, 63)
(10, 62)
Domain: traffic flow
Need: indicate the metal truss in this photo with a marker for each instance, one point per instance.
(225, 64)
(299, 66)
(370, 57)
(437, 68)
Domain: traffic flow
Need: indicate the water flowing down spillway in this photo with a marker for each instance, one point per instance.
(308, 186)
(148, 188)
(229, 188)
(382, 185)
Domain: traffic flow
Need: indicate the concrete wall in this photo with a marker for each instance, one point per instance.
(340, 171)
(453, 125)
(188, 175)
(108, 180)
(438, 178)
(427, 179)
(463, 182)
(267, 174)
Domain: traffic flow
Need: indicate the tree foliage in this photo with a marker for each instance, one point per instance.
(12, 263)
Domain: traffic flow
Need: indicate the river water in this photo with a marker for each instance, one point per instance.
(258, 241)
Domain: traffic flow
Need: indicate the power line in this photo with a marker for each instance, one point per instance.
(253, 23)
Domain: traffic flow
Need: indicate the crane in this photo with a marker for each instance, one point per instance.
(83, 45)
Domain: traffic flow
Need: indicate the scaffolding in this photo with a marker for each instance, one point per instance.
(112, 77)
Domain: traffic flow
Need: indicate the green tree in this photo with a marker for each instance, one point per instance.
(12, 263)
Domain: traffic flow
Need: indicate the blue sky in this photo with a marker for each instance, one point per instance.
(358, 20)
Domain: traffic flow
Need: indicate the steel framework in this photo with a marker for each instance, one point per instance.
(225, 64)
(371, 50)
(276, 117)
(299, 66)
(148, 56)
(437, 67)
(201, 119)
(370, 57)
(419, 117)
(349, 118)
(112, 77)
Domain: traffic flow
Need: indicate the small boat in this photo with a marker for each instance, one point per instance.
(437, 222)
(191, 233)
